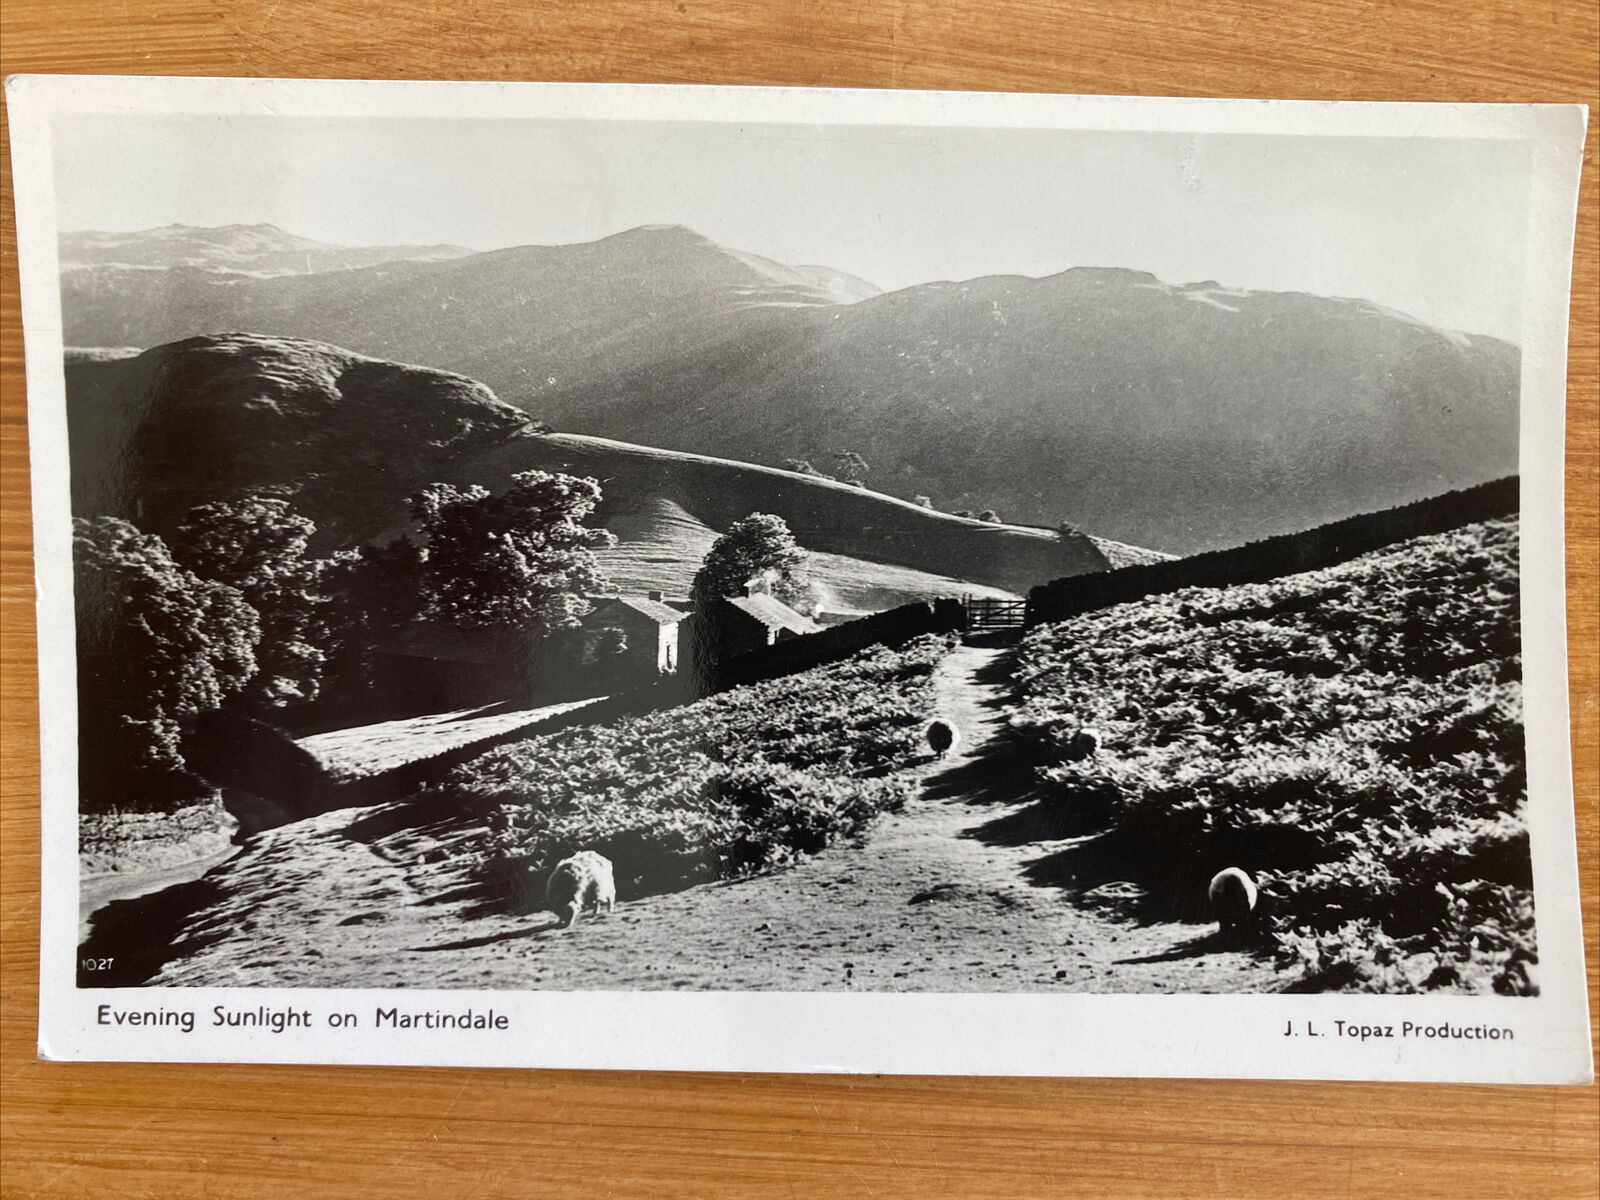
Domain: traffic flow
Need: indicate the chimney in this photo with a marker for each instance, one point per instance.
(654, 595)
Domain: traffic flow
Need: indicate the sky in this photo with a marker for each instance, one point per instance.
(1432, 227)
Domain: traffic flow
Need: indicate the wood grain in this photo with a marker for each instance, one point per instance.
(173, 1131)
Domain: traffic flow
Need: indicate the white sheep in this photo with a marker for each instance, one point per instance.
(1233, 897)
(943, 737)
(579, 882)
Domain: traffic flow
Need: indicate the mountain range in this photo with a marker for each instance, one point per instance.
(260, 250)
(1181, 417)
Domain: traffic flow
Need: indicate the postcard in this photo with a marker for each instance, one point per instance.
(781, 580)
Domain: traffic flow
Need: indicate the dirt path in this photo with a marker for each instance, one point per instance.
(969, 888)
(97, 891)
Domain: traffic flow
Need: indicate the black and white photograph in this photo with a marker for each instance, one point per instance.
(532, 542)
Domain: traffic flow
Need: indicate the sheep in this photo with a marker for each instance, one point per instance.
(1233, 898)
(1084, 744)
(943, 737)
(580, 881)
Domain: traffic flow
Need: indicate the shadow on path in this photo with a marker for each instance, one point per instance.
(1210, 943)
(1080, 853)
(1173, 887)
(509, 935)
(1218, 941)
(138, 937)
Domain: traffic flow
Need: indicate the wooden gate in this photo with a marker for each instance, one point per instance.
(985, 614)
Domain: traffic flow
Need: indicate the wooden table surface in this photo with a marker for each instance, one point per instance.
(169, 1131)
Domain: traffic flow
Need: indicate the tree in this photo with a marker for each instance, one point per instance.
(157, 646)
(851, 466)
(518, 561)
(759, 547)
(258, 546)
(801, 467)
(255, 544)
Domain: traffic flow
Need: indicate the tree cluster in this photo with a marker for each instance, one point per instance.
(521, 560)
(157, 645)
(849, 465)
(235, 611)
(757, 549)
(257, 546)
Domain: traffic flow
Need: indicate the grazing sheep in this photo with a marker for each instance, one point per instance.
(578, 882)
(1083, 745)
(943, 737)
(1233, 898)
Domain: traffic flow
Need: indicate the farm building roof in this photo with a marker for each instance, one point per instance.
(660, 613)
(774, 614)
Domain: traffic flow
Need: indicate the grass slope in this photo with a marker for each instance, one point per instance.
(862, 529)
(1352, 736)
(660, 546)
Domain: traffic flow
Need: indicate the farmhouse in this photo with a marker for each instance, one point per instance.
(646, 629)
(758, 620)
(625, 641)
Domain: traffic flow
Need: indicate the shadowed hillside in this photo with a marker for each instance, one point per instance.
(1178, 417)
(541, 322)
(344, 436)
(347, 438)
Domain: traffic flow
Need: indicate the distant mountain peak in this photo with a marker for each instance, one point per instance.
(669, 228)
(673, 251)
(643, 236)
(1121, 276)
(261, 249)
(260, 229)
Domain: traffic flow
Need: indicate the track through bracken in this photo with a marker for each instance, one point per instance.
(943, 895)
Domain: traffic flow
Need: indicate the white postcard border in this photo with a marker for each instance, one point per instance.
(969, 1033)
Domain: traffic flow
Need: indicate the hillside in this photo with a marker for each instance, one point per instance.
(1176, 417)
(259, 250)
(791, 836)
(1142, 411)
(659, 547)
(542, 321)
(828, 519)
(1351, 736)
(347, 438)
(344, 436)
